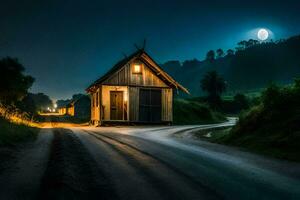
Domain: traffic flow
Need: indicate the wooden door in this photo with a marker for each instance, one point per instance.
(150, 105)
(116, 105)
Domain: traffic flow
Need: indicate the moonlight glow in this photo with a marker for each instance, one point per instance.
(262, 34)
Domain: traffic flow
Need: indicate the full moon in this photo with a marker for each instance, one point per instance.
(262, 34)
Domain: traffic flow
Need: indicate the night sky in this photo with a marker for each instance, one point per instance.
(67, 44)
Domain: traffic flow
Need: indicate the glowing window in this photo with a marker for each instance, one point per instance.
(137, 68)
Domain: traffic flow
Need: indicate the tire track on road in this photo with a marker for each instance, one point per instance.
(143, 161)
(72, 173)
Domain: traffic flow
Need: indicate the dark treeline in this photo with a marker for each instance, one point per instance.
(63, 102)
(252, 65)
(14, 89)
(271, 126)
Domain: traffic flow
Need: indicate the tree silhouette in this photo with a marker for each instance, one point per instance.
(13, 83)
(41, 101)
(230, 52)
(210, 56)
(220, 53)
(27, 105)
(241, 45)
(214, 85)
(241, 101)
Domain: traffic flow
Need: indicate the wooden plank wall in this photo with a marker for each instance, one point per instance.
(133, 103)
(121, 77)
(167, 104)
(146, 78)
(125, 76)
(92, 107)
(95, 107)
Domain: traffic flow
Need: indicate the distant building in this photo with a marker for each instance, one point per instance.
(62, 110)
(135, 90)
(79, 108)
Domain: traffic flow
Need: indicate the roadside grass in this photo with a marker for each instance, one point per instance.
(188, 111)
(64, 119)
(211, 134)
(276, 145)
(250, 94)
(12, 133)
(271, 127)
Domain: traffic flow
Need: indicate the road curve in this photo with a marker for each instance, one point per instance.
(142, 163)
(185, 168)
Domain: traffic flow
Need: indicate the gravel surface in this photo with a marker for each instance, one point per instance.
(72, 173)
(21, 177)
(139, 163)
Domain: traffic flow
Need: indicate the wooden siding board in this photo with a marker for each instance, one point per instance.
(167, 110)
(133, 103)
(125, 76)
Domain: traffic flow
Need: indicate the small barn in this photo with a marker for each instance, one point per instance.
(62, 110)
(135, 90)
(79, 108)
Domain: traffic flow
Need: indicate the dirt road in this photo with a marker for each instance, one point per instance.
(141, 163)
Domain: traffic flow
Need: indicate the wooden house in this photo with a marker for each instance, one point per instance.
(62, 110)
(80, 108)
(70, 109)
(135, 90)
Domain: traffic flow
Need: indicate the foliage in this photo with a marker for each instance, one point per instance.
(61, 102)
(214, 85)
(192, 112)
(11, 133)
(241, 101)
(251, 67)
(14, 84)
(42, 101)
(272, 127)
(77, 96)
(211, 56)
(230, 52)
(236, 104)
(220, 53)
(27, 105)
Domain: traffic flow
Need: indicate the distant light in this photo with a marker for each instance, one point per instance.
(55, 105)
(125, 96)
(137, 68)
(262, 34)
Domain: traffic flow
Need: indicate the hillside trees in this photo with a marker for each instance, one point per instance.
(41, 100)
(211, 56)
(271, 127)
(14, 84)
(214, 85)
(230, 52)
(220, 53)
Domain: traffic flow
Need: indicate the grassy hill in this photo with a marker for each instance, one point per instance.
(252, 67)
(193, 112)
(12, 133)
(272, 127)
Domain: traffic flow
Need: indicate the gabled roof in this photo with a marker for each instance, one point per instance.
(156, 69)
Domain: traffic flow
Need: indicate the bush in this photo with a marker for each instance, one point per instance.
(193, 112)
(235, 105)
(11, 133)
(273, 126)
